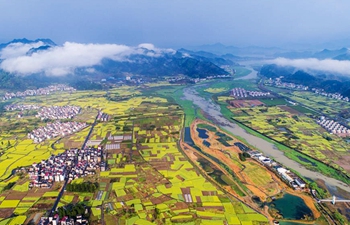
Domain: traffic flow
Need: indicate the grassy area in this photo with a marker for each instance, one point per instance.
(274, 101)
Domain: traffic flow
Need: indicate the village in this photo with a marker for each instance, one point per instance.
(71, 164)
(40, 91)
(333, 127)
(103, 117)
(55, 129)
(243, 93)
(67, 166)
(330, 95)
(277, 82)
(55, 220)
(184, 79)
(16, 107)
(58, 112)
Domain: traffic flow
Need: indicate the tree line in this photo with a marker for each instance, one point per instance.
(82, 187)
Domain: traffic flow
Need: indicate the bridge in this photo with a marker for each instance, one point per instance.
(333, 200)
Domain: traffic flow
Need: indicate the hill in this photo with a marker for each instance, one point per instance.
(143, 61)
(165, 65)
(330, 83)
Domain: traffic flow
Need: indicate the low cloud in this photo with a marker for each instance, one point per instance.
(326, 65)
(18, 49)
(62, 60)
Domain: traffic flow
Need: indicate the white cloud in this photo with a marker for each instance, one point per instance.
(62, 60)
(326, 65)
(18, 49)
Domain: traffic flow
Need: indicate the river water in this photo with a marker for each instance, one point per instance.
(213, 112)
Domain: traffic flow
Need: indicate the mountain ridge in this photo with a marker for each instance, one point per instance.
(146, 61)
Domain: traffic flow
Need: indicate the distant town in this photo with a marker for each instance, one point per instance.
(278, 83)
(40, 91)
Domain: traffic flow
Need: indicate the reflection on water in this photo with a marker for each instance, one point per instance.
(292, 207)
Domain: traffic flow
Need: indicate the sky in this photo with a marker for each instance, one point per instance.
(178, 23)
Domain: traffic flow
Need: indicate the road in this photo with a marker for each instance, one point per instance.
(67, 178)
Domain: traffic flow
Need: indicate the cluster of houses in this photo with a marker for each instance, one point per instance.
(243, 93)
(56, 220)
(41, 91)
(16, 107)
(58, 112)
(103, 117)
(52, 130)
(180, 78)
(289, 177)
(278, 83)
(333, 127)
(71, 164)
(330, 95)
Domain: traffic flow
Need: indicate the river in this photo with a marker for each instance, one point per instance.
(252, 75)
(213, 111)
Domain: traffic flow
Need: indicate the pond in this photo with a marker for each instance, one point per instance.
(291, 207)
(306, 160)
(291, 223)
(202, 133)
(206, 143)
(282, 129)
(188, 138)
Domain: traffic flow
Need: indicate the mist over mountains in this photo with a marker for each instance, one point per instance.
(41, 61)
(42, 56)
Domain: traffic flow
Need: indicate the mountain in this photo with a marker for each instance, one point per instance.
(295, 54)
(211, 57)
(338, 54)
(144, 61)
(165, 65)
(329, 83)
(328, 54)
(39, 49)
(11, 82)
(345, 56)
(250, 51)
(45, 41)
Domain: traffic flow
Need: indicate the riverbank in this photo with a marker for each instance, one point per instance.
(220, 153)
(213, 113)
